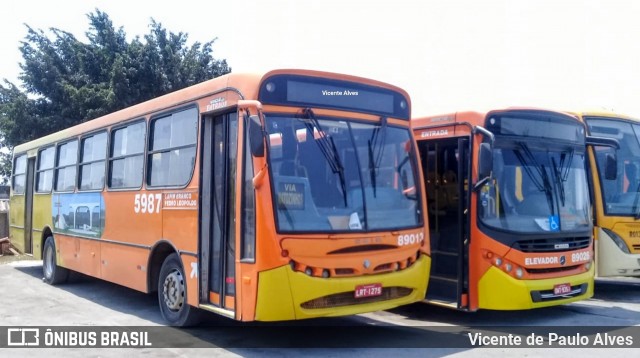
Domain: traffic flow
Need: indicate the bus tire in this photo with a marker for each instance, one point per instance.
(52, 273)
(172, 294)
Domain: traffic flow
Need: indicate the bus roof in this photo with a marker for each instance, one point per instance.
(242, 82)
(603, 113)
(474, 118)
(246, 85)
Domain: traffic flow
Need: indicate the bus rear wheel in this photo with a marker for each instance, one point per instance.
(172, 294)
(52, 273)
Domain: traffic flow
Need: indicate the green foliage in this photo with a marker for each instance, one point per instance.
(5, 168)
(68, 82)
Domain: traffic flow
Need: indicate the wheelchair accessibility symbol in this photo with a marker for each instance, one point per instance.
(554, 223)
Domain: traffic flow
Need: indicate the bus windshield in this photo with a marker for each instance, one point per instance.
(621, 196)
(536, 188)
(341, 175)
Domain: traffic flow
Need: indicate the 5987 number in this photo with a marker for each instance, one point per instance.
(147, 203)
(410, 239)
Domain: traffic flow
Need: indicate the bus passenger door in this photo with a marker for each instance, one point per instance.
(445, 164)
(218, 211)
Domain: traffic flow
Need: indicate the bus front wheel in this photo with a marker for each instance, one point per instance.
(52, 273)
(172, 294)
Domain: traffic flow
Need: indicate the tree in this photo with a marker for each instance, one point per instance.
(67, 82)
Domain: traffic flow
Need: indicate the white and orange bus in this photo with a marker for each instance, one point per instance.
(289, 195)
(509, 208)
(616, 192)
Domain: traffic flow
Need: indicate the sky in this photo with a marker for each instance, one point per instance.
(448, 55)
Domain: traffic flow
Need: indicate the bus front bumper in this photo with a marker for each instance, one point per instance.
(284, 294)
(612, 261)
(500, 291)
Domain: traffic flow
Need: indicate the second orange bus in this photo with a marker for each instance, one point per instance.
(509, 208)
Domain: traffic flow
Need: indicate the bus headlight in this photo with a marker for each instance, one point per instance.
(618, 241)
(519, 272)
(508, 265)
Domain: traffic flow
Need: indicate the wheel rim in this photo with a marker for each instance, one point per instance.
(48, 262)
(173, 290)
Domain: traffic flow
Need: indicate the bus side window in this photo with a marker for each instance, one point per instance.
(44, 174)
(125, 157)
(92, 158)
(172, 148)
(65, 172)
(19, 176)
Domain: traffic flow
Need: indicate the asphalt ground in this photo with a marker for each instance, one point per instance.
(405, 331)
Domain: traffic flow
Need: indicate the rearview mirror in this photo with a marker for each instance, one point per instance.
(610, 167)
(485, 161)
(256, 137)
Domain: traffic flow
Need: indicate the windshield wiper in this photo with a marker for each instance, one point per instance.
(562, 172)
(567, 169)
(559, 181)
(327, 148)
(376, 150)
(545, 186)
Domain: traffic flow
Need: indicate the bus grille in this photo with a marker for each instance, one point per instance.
(348, 298)
(552, 245)
(551, 269)
(362, 248)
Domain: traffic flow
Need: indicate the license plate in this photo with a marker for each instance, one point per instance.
(562, 289)
(371, 290)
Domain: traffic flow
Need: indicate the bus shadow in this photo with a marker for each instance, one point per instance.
(331, 333)
(257, 338)
(578, 314)
(430, 314)
(622, 290)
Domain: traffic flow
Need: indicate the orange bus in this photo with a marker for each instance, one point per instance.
(288, 195)
(509, 208)
(616, 191)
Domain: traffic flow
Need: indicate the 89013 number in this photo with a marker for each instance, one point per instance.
(410, 239)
